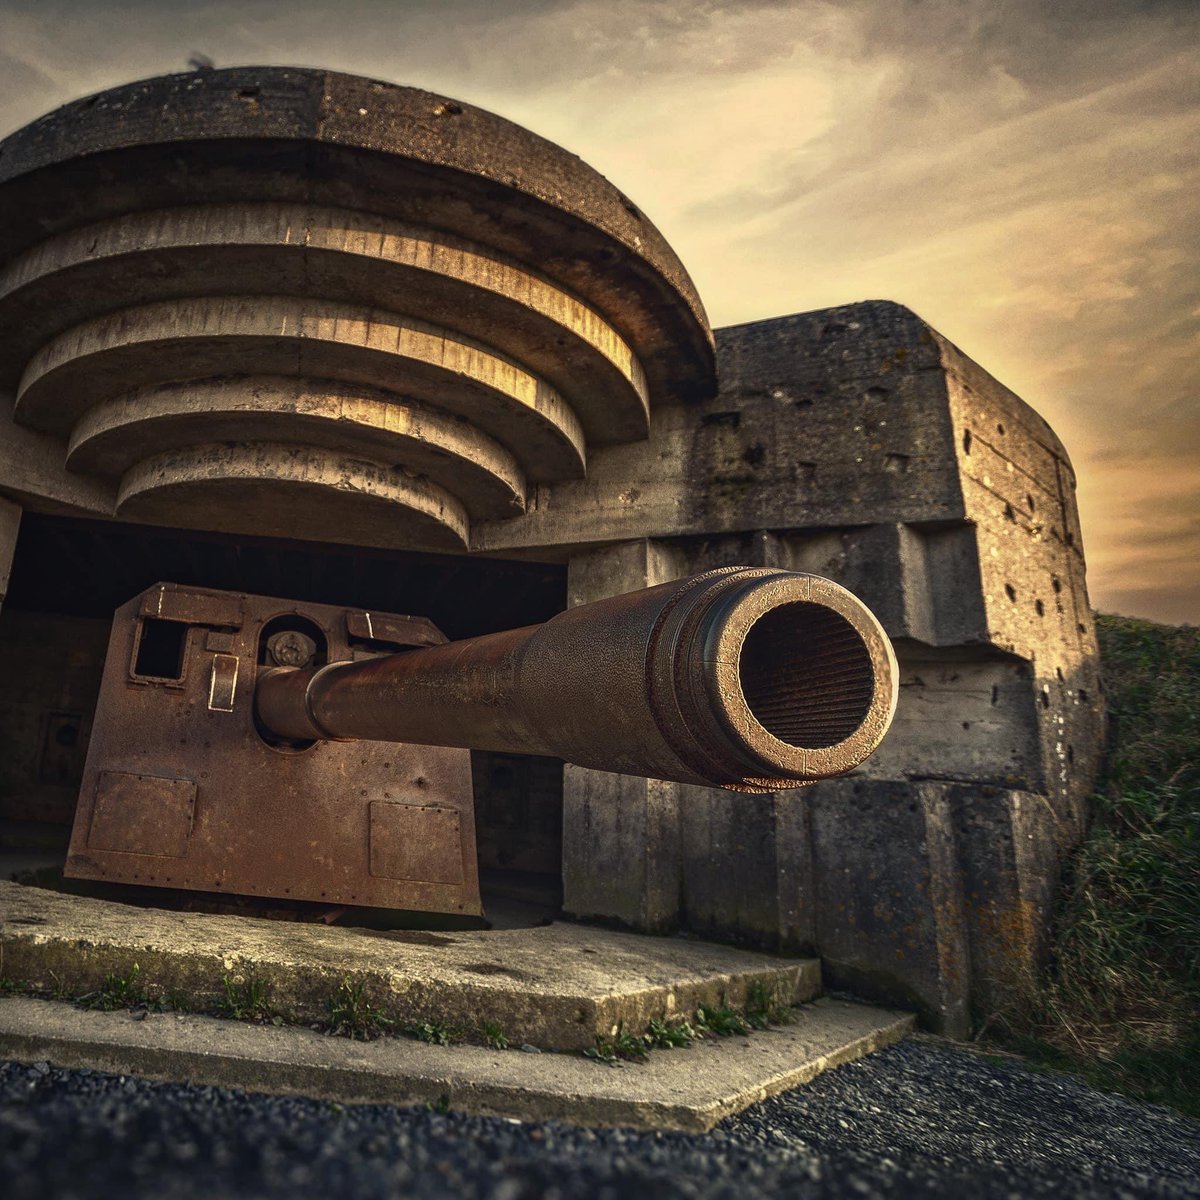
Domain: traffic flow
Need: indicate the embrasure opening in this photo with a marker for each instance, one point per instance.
(806, 675)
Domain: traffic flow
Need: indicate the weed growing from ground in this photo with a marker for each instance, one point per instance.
(352, 1015)
(493, 1035)
(622, 1046)
(246, 1001)
(764, 1007)
(722, 1021)
(436, 1033)
(670, 1035)
(117, 991)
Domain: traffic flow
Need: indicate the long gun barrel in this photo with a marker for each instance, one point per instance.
(745, 678)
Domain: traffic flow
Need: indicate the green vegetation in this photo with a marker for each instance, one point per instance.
(117, 991)
(1121, 1000)
(621, 1046)
(352, 1015)
(436, 1033)
(493, 1035)
(670, 1035)
(763, 1009)
(246, 1001)
(722, 1021)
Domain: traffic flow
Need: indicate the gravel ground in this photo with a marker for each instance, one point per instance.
(918, 1119)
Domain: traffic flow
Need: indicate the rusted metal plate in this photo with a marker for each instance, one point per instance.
(415, 843)
(392, 630)
(270, 819)
(192, 606)
(223, 679)
(142, 814)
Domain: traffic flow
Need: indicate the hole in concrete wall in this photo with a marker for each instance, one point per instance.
(1010, 592)
(1009, 513)
(1084, 698)
(1071, 755)
(1029, 501)
(967, 442)
(999, 428)
(1059, 673)
(1056, 584)
(1041, 608)
(1045, 695)
(822, 698)
(729, 419)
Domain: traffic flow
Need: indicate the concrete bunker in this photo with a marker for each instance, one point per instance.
(350, 338)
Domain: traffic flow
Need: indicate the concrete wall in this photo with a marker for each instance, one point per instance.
(52, 667)
(867, 449)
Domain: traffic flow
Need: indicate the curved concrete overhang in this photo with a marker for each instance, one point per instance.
(231, 231)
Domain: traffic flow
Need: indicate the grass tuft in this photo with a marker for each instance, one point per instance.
(436, 1033)
(1120, 1001)
(722, 1021)
(670, 1035)
(247, 1000)
(492, 1033)
(352, 1015)
(117, 991)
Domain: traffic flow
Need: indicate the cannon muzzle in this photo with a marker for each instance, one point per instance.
(745, 678)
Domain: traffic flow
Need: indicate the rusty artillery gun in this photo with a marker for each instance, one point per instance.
(261, 747)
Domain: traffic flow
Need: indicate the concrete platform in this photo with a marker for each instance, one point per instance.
(557, 987)
(689, 1089)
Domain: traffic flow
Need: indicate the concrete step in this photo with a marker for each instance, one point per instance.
(557, 987)
(688, 1089)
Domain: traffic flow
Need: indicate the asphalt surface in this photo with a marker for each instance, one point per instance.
(918, 1119)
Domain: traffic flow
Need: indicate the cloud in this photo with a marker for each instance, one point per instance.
(1021, 174)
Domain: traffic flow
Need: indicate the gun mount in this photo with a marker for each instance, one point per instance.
(250, 745)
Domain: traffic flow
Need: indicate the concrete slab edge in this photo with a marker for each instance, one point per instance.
(687, 1090)
(560, 987)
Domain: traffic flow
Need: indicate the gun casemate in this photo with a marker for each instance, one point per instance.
(247, 745)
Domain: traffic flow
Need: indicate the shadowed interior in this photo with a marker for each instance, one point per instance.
(806, 675)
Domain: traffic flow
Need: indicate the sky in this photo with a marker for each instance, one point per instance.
(1024, 174)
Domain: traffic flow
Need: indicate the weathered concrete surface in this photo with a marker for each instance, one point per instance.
(968, 553)
(330, 139)
(620, 832)
(689, 1089)
(558, 986)
(10, 523)
(888, 898)
(427, 261)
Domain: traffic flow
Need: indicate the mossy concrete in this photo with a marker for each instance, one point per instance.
(558, 986)
(689, 1089)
